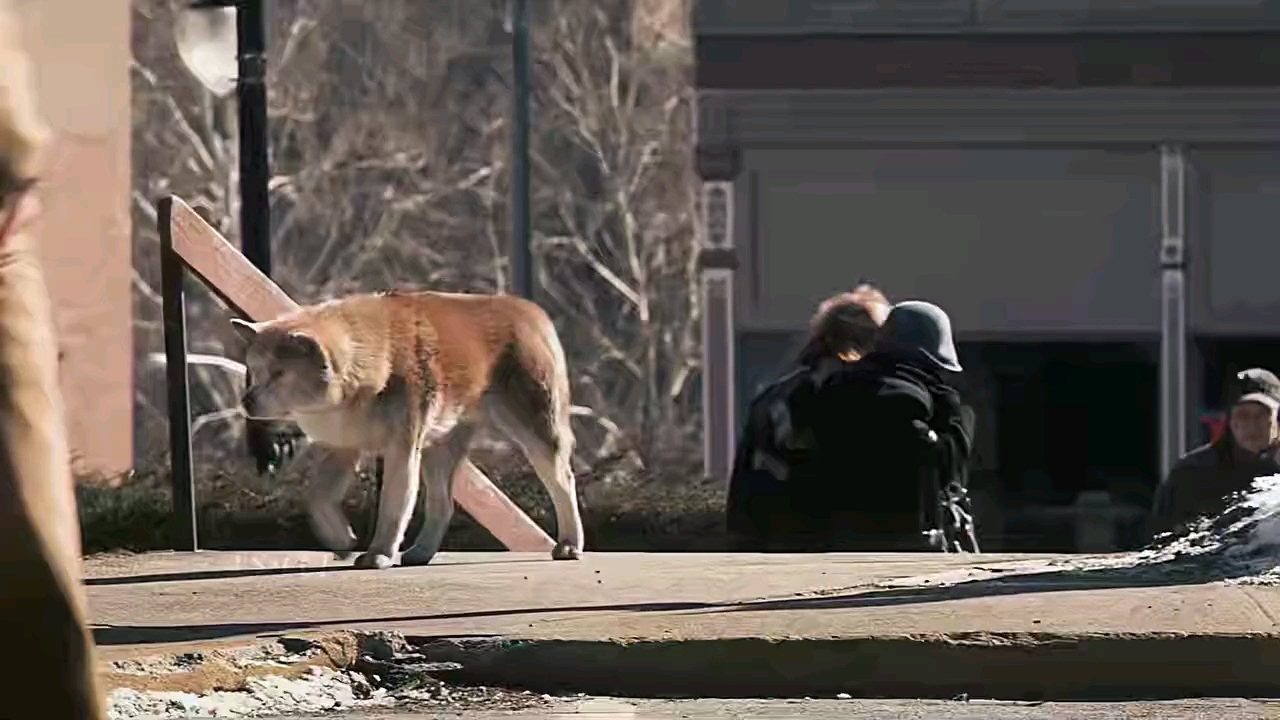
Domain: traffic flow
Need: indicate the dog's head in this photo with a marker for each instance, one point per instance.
(288, 371)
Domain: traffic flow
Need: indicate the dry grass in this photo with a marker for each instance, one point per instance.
(624, 507)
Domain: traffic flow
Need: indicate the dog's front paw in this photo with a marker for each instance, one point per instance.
(565, 551)
(374, 561)
(340, 543)
(331, 528)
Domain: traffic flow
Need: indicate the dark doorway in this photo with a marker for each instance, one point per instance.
(1070, 417)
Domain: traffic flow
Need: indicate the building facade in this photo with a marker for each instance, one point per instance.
(1089, 189)
(81, 55)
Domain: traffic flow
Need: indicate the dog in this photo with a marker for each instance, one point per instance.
(412, 376)
(43, 599)
(23, 133)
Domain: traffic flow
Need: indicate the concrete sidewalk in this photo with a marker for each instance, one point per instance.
(923, 625)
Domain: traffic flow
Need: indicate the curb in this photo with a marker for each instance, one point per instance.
(1021, 666)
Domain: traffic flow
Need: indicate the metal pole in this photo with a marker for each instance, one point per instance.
(521, 232)
(263, 438)
(173, 302)
(1173, 311)
(255, 163)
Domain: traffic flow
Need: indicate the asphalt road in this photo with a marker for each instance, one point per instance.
(703, 709)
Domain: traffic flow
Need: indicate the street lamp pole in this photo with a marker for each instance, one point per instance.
(521, 212)
(255, 162)
(251, 97)
(204, 36)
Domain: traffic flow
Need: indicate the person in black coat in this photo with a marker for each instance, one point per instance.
(893, 442)
(777, 435)
(1204, 480)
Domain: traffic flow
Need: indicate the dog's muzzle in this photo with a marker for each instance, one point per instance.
(249, 402)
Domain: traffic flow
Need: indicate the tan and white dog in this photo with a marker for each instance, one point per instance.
(412, 376)
(43, 600)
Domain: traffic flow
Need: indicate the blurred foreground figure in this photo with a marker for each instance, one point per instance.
(42, 605)
(892, 445)
(777, 435)
(1203, 481)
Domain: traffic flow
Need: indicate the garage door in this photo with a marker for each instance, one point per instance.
(1235, 242)
(1008, 241)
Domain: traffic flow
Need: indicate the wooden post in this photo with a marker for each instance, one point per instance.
(254, 296)
(182, 529)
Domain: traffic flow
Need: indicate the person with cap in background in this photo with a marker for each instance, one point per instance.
(893, 442)
(1203, 481)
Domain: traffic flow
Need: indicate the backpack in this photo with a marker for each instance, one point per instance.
(775, 437)
(895, 443)
(947, 521)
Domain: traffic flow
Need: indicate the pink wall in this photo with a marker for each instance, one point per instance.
(81, 54)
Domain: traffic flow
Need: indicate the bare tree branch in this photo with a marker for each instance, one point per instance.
(390, 147)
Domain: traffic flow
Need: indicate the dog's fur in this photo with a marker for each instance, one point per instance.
(43, 600)
(412, 376)
(22, 132)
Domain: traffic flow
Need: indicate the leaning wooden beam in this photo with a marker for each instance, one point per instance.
(253, 295)
(222, 267)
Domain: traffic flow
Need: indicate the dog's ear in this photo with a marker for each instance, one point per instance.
(245, 329)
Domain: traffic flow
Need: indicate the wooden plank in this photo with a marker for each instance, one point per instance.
(255, 296)
(491, 507)
(226, 271)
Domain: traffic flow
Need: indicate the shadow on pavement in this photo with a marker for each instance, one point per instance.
(1195, 570)
(258, 572)
(1170, 573)
(148, 634)
(209, 575)
(1225, 563)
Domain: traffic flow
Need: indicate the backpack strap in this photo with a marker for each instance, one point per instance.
(947, 519)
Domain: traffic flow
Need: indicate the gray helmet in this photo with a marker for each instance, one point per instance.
(922, 327)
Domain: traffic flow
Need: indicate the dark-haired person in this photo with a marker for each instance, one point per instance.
(775, 435)
(893, 442)
(42, 603)
(1203, 480)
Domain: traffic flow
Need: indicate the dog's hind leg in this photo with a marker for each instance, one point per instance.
(547, 442)
(439, 466)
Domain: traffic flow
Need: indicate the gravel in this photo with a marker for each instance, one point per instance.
(321, 690)
(282, 678)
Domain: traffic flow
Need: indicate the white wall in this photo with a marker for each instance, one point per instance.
(1008, 240)
(1235, 241)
